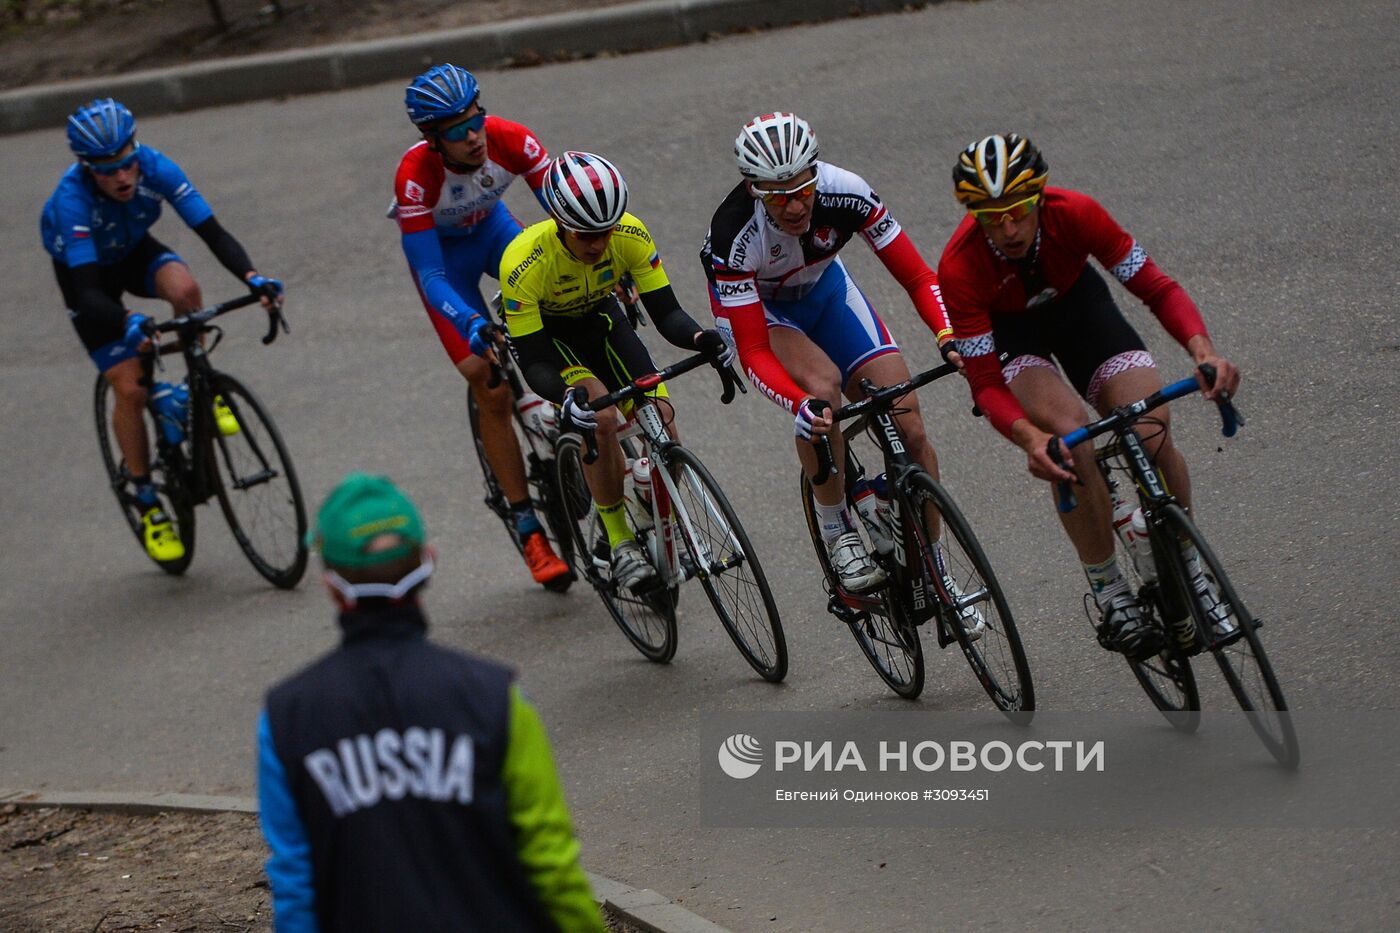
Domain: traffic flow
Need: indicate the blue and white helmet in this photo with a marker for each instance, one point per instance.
(100, 129)
(441, 92)
(585, 192)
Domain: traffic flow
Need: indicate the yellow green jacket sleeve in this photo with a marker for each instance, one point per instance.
(544, 834)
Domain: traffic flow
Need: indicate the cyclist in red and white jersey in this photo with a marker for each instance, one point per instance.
(454, 227)
(804, 331)
(1017, 281)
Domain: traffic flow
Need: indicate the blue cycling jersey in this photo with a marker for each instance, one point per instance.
(80, 225)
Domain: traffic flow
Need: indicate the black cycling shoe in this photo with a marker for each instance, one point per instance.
(1125, 629)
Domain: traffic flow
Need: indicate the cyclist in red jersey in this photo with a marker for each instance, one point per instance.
(454, 228)
(1016, 280)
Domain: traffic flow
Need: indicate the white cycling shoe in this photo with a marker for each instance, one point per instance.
(855, 569)
(630, 568)
(1222, 620)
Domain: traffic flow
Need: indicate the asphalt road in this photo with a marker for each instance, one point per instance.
(1250, 146)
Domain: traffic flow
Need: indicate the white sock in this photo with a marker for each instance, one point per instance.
(1106, 580)
(832, 520)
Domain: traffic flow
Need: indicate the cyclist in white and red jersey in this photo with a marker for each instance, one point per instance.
(454, 226)
(1017, 282)
(803, 329)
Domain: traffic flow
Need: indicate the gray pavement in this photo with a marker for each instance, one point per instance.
(1247, 145)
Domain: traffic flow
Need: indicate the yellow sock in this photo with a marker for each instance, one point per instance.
(614, 518)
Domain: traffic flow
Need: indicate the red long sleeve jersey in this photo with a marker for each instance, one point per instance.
(978, 281)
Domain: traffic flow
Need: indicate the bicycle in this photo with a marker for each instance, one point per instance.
(949, 581)
(535, 431)
(686, 503)
(248, 469)
(1189, 621)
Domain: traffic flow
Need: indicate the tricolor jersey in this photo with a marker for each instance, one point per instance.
(430, 196)
(748, 258)
(978, 282)
(80, 225)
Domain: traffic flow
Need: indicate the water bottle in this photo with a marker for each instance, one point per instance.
(172, 404)
(1131, 527)
(639, 503)
(542, 423)
(867, 503)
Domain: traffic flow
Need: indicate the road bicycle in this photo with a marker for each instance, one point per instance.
(1190, 620)
(244, 464)
(535, 430)
(687, 528)
(946, 579)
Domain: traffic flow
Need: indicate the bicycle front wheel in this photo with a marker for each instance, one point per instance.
(648, 619)
(1229, 631)
(167, 473)
(971, 600)
(885, 636)
(729, 568)
(257, 486)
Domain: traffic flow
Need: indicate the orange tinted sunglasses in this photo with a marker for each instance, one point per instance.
(994, 216)
(778, 198)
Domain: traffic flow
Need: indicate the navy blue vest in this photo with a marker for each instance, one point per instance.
(393, 749)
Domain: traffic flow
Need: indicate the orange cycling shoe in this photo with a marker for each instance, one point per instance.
(545, 566)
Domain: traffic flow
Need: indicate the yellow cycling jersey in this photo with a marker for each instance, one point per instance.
(540, 278)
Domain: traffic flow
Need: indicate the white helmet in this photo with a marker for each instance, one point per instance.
(775, 147)
(585, 192)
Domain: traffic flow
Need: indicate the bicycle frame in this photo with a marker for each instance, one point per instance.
(914, 584)
(1151, 490)
(666, 500)
(199, 474)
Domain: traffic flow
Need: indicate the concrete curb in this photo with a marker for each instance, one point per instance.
(643, 908)
(629, 27)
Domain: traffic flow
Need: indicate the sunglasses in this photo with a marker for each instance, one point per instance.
(458, 131)
(993, 216)
(803, 192)
(111, 168)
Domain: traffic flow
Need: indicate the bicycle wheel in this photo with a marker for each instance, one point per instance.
(998, 658)
(731, 573)
(648, 620)
(1239, 652)
(539, 477)
(167, 473)
(257, 485)
(885, 636)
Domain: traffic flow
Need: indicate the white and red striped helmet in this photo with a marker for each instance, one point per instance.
(585, 192)
(775, 147)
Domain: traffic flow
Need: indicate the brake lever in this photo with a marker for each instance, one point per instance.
(1065, 493)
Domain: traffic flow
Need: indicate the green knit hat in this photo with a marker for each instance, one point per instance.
(357, 515)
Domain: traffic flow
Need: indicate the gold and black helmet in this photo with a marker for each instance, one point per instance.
(997, 166)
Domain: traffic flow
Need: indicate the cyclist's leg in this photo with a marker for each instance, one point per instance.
(172, 281)
(814, 372)
(122, 368)
(465, 259)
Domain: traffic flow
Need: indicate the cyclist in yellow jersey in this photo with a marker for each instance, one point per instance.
(557, 283)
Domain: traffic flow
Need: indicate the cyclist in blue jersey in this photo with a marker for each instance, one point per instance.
(96, 226)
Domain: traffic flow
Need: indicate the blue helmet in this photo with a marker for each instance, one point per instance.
(440, 92)
(100, 129)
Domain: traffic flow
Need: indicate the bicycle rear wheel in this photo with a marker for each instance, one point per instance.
(729, 568)
(886, 637)
(167, 473)
(256, 484)
(539, 476)
(1238, 651)
(648, 620)
(997, 658)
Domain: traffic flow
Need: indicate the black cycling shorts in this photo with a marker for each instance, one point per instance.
(133, 274)
(600, 344)
(1080, 330)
